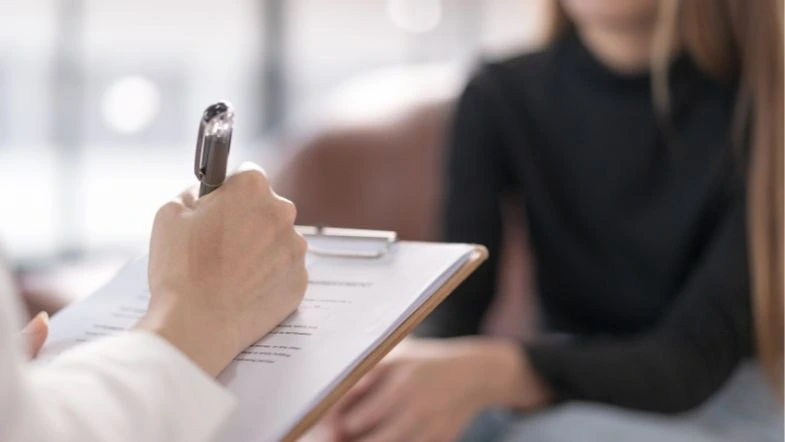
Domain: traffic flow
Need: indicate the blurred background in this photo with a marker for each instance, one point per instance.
(99, 101)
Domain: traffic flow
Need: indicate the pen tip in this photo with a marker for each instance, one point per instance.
(221, 108)
(218, 119)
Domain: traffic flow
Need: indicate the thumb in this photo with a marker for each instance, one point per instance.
(35, 332)
(249, 165)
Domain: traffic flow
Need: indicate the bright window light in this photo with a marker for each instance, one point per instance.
(130, 104)
(415, 16)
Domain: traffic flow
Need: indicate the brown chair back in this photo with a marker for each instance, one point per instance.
(389, 176)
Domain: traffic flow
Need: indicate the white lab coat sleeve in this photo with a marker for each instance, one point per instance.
(134, 386)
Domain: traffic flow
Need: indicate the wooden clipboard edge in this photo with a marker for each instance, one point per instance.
(478, 256)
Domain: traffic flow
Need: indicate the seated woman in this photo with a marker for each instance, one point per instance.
(645, 143)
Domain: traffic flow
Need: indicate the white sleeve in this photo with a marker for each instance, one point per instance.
(131, 387)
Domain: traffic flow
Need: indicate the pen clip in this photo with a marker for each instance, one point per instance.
(199, 166)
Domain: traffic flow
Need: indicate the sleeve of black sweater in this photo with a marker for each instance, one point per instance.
(674, 367)
(686, 358)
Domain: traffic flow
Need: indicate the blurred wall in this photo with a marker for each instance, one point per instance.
(99, 99)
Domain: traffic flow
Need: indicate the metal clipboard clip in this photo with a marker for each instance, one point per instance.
(334, 242)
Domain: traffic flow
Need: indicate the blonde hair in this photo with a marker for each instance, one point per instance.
(742, 41)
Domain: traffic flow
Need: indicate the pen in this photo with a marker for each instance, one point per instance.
(212, 146)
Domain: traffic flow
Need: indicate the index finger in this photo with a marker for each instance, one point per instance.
(248, 179)
(188, 197)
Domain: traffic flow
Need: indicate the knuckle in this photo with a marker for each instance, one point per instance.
(296, 260)
(296, 257)
(283, 216)
(286, 210)
(252, 180)
(280, 263)
(300, 245)
(291, 209)
(170, 209)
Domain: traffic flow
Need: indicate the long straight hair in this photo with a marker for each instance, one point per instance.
(737, 41)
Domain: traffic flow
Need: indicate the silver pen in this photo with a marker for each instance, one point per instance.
(212, 146)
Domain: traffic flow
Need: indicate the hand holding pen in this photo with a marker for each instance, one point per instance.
(223, 272)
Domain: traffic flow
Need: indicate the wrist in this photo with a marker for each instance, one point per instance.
(506, 377)
(202, 338)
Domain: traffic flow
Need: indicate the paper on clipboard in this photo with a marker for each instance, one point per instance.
(351, 308)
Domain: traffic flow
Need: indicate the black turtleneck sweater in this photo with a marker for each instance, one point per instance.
(637, 223)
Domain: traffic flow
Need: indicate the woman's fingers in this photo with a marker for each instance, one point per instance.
(361, 388)
(372, 407)
(402, 426)
(35, 333)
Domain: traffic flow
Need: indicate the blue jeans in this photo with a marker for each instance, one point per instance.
(745, 410)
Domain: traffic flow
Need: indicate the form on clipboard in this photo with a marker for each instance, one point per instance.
(366, 292)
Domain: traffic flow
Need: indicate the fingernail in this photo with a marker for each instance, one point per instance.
(44, 316)
(40, 320)
(248, 165)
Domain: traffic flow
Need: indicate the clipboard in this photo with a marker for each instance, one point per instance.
(477, 257)
(70, 326)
